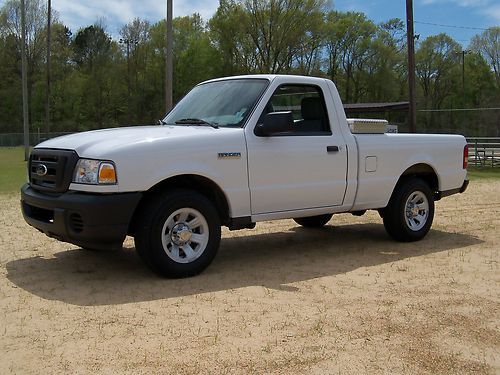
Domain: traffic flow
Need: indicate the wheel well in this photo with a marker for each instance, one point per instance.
(200, 184)
(423, 171)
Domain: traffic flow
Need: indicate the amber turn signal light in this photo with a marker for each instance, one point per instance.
(107, 173)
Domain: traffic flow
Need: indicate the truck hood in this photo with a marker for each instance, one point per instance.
(99, 143)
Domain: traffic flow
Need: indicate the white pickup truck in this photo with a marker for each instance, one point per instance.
(232, 152)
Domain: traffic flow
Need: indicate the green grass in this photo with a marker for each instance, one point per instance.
(13, 172)
(478, 173)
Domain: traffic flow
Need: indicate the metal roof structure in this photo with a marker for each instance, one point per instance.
(377, 107)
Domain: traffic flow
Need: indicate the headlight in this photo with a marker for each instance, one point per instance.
(95, 172)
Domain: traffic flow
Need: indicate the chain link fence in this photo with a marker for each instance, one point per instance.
(474, 122)
(17, 139)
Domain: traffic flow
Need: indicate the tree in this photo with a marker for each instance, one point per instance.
(195, 59)
(194, 55)
(366, 61)
(62, 100)
(135, 37)
(277, 28)
(10, 85)
(436, 66)
(227, 33)
(91, 46)
(268, 36)
(36, 23)
(308, 54)
(349, 48)
(488, 45)
(385, 68)
(94, 53)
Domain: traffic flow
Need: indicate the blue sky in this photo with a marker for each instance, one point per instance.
(464, 13)
(479, 14)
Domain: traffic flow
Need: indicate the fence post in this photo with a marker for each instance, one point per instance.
(475, 153)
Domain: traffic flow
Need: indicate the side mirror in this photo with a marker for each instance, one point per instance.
(274, 123)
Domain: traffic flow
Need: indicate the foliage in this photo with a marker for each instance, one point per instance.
(100, 82)
(488, 45)
(435, 68)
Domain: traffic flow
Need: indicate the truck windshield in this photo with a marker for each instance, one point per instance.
(222, 103)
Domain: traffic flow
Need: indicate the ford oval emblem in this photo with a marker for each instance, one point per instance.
(41, 170)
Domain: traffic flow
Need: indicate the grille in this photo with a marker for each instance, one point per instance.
(51, 170)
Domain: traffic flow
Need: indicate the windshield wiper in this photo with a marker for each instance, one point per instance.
(197, 121)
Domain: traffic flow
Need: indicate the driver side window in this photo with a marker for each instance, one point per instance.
(307, 106)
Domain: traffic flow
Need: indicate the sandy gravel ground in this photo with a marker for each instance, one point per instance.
(278, 299)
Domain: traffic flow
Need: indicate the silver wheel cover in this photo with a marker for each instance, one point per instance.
(416, 211)
(185, 235)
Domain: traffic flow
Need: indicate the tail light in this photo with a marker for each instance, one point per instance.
(466, 156)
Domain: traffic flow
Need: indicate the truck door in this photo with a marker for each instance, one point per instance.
(302, 168)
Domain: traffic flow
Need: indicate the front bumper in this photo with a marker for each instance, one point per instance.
(95, 221)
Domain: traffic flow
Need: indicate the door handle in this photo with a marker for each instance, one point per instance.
(332, 148)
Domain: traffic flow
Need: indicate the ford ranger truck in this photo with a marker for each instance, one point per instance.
(235, 151)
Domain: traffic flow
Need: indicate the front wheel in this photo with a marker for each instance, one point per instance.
(410, 212)
(178, 233)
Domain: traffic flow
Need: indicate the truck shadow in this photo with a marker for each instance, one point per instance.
(272, 260)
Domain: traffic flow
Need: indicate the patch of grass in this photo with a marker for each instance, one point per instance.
(13, 172)
(477, 173)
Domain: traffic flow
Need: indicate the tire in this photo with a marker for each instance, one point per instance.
(313, 221)
(178, 233)
(410, 212)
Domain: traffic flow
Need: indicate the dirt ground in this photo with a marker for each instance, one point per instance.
(277, 299)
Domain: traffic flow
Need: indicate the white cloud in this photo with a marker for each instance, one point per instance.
(493, 12)
(488, 8)
(206, 8)
(116, 13)
(461, 3)
(353, 6)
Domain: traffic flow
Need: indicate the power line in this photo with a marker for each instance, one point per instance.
(453, 26)
(423, 36)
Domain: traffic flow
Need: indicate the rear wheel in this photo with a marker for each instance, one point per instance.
(410, 212)
(313, 221)
(178, 233)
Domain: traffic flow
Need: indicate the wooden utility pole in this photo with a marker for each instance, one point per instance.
(464, 52)
(169, 63)
(47, 93)
(25, 83)
(412, 115)
(463, 78)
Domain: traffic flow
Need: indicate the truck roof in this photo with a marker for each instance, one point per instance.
(269, 77)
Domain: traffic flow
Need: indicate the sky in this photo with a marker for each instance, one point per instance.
(468, 16)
